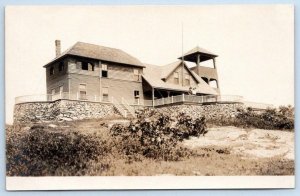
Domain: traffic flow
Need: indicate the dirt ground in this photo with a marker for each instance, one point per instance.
(248, 143)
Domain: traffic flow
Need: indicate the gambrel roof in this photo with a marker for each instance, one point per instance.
(101, 53)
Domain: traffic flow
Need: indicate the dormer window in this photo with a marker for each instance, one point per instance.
(51, 71)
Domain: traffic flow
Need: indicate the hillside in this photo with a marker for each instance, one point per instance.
(222, 151)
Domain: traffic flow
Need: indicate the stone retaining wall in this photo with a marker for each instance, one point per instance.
(67, 110)
(62, 110)
(212, 111)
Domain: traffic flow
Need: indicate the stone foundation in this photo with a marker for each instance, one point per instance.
(62, 110)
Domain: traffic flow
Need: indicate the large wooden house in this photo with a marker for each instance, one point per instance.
(96, 73)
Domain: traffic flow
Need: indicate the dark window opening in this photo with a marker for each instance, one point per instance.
(51, 71)
(93, 67)
(104, 73)
(84, 66)
(136, 93)
(61, 66)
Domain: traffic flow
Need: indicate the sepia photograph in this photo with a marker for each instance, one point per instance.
(175, 97)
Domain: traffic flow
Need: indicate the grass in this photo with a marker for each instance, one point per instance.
(208, 161)
(213, 164)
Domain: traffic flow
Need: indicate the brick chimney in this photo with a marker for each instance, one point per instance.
(57, 48)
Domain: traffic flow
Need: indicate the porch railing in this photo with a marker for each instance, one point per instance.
(192, 99)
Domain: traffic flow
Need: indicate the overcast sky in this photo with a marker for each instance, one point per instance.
(255, 43)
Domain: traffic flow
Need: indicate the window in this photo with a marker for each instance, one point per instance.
(136, 93)
(61, 66)
(187, 79)
(84, 66)
(105, 94)
(137, 97)
(51, 71)
(104, 73)
(136, 75)
(176, 77)
(82, 91)
(82, 94)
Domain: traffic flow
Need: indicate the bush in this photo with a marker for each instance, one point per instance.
(156, 135)
(43, 151)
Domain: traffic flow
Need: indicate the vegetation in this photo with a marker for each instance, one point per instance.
(152, 141)
(281, 118)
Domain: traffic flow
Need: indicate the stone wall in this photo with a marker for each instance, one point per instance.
(212, 111)
(62, 110)
(67, 110)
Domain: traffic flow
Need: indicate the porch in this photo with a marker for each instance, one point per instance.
(155, 102)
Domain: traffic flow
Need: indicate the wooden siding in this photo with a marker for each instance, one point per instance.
(92, 84)
(121, 81)
(57, 73)
(206, 72)
(56, 82)
(121, 88)
(74, 66)
(170, 79)
(123, 72)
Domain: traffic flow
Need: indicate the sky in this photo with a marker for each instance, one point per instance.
(254, 43)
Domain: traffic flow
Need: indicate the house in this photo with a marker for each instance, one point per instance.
(91, 72)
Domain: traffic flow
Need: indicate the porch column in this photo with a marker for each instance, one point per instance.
(214, 60)
(152, 97)
(198, 64)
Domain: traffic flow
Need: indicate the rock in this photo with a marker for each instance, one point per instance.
(52, 125)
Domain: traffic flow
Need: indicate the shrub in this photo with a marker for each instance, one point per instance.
(43, 151)
(268, 119)
(156, 135)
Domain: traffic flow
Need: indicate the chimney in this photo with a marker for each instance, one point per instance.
(57, 48)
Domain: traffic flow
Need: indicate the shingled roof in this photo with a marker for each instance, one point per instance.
(153, 74)
(101, 53)
(192, 55)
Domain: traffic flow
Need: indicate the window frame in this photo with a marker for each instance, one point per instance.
(136, 93)
(104, 70)
(187, 79)
(84, 64)
(176, 77)
(82, 90)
